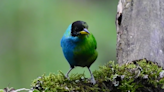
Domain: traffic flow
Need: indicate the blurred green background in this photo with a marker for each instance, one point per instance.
(30, 33)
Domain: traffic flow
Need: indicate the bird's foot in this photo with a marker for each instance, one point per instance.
(66, 76)
(93, 81)
(68, 73)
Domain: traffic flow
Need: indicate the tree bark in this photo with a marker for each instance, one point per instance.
(140, 30)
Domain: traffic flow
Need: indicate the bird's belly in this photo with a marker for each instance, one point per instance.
(84, 57)
(80, 57)
(85, 61)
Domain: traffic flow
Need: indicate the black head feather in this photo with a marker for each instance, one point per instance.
(78, 26)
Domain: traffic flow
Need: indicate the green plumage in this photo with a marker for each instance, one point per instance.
(79, 46)
(85, 51)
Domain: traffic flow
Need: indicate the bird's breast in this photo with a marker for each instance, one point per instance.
(79, 52)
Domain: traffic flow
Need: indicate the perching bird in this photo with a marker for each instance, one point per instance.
(79, 47)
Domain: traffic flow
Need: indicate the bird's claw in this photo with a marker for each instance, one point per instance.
(93, 81)
(66, 76)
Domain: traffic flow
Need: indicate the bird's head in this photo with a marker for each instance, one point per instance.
(79, 28)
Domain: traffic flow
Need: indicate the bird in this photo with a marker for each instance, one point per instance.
(79, 47)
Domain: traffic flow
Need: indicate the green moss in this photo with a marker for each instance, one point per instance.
(138, 76)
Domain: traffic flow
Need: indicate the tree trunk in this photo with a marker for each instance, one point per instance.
(140, 30)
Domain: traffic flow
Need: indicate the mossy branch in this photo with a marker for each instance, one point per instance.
(138, 76)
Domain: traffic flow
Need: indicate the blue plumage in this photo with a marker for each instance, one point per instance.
(79, 46)
(68, 45)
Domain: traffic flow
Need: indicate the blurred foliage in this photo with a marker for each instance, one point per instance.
(30, 33)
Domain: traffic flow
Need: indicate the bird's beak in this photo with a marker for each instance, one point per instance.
(84, 31)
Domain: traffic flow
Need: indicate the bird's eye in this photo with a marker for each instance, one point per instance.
(76, 28)
(80, 29)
